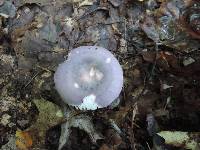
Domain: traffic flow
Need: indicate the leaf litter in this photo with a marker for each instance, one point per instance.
(157, 44)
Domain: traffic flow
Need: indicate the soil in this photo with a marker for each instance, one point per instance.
(161, 74)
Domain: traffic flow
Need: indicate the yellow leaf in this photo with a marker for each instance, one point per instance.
(23, 140)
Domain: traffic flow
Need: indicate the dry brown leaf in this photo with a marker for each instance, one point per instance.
(105, 147)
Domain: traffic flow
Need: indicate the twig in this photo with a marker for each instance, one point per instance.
(155, 61)
(134, 112)
(45, 69)
(32, 79)
(92, 11)
(148, 146)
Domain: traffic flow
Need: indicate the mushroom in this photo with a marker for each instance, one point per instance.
(90, 78)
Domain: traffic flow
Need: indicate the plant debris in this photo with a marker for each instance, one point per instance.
(155, 41)
(178, 138)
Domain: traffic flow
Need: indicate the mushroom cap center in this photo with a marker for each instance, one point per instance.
(88, 76)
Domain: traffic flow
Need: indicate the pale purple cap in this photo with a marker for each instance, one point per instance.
(90, 78)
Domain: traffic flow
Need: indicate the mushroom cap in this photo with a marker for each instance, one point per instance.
(90, 78)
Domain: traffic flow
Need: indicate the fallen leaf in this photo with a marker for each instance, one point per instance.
(164, 60)
(173, 24)
(82, 122)
(7, 9)
(49, 115)
(181, 139)
(105, 147)
(188, 61)
(113, 137)
(23, 140)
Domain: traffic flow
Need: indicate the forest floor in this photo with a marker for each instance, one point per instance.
(157, 43)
